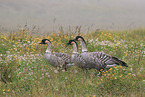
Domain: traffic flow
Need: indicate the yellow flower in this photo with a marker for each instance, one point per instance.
(3, 89)
(120, 66)
(56, 89)
(110, 69)
(118, 42)
(104, 74)
(121, 75)
(115, 67)
(62, 51)
(115, 78)
(94, 95)
(8, 90)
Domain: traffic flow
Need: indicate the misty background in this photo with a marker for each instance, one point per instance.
(49, 15)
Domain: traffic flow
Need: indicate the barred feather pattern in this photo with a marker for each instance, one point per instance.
(97, 60)
(88, 60)
(58, 59)
(102, 57)
(65, 57)
(106, 60)
(54, 60)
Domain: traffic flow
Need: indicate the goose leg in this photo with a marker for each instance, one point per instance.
(86, 73)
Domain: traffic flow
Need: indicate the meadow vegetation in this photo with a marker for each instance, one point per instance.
(25, 72)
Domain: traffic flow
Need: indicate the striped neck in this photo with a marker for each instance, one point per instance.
(49, 47)
(84, 47)
(75, 48)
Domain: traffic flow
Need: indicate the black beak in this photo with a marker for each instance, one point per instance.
(41, 43)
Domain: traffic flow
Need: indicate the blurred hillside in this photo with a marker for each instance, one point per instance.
(49, 14)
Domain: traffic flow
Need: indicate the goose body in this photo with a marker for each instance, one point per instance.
(85, 60)
(56, 59)
(102, 57)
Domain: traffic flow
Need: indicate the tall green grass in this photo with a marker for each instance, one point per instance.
(25, 72)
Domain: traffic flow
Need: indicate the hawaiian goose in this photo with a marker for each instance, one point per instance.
(103, 57)
(56, 59)
(85, 60)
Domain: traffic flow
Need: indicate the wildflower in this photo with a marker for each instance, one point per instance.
(3, 90)
(131, 69)
(115, 67)
(110, 69)
(115, 78)
(48, 76)
(62, 51)
(94, 95)
(114, 45)
(56, 89)
(8, 52)
(63, 70)
(28, 41)
(46, 73)
(9, 76)
(121, 75)
(8, 90)
(105, 74)
(55, 71)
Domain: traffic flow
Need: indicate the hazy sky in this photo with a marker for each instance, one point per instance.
(102, 14)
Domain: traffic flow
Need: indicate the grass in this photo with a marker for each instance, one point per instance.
(25, 72)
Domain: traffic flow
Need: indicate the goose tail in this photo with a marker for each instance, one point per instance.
(120, 62)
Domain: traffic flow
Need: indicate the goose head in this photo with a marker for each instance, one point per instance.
(45, 41)
(71, 42)
(48, 42)
(83, 43)
(74, 44)
(79, 38)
